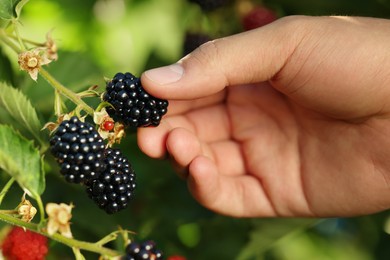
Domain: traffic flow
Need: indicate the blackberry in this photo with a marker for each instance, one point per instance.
(142, 251)
(79, 150)
(210, 5)
(193, 41)
(115, 185)
(132, 105)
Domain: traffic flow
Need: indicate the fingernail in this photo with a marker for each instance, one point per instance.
(165, 75)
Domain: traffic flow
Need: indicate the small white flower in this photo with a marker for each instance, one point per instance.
(59, 218)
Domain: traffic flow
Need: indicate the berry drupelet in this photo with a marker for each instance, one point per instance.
(132, 105)
(79, 150)
(142, 251)
(115, 186)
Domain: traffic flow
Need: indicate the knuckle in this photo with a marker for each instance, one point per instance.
(207, 53)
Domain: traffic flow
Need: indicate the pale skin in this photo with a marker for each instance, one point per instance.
(291, 119)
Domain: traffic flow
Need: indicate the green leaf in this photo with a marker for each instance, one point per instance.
(20, 159)
(11, 8)
(20, 108)
(19, 6)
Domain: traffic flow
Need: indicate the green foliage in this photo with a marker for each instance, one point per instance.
(10, 9)
(100, 38)
(20, 159)
(266, 233)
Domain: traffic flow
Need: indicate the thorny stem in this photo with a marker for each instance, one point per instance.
(6, 188)
(88, 246)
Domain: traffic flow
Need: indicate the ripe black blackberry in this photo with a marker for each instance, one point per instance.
(146, 251)
(132, 105)
(210, 5)
(115, 185)
(79, 150)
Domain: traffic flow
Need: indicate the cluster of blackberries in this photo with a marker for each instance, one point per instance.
(142, 251)
(83, 158)
(131, 104)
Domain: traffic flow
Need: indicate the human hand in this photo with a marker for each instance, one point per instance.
(291, 119)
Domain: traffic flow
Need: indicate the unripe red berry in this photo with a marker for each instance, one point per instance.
(108, 125)
(22, 244)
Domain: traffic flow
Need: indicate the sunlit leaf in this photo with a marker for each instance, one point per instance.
(11, 8)
(20, 159)
(7, 9)
(19, 6)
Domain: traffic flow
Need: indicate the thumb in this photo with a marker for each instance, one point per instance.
(248, 57)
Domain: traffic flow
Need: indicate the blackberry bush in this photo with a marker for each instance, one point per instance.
(132, 105)
(79, 150)
(142, 251)
(115, 186)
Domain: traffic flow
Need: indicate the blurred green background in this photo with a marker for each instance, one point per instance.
(98, 38)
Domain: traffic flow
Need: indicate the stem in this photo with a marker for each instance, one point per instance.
(65, 91)
(57, 103)
(9, 211)
(17, 222)
(92, 247)
(6, 188)
(41, 209)
(16, 30)
(7, 41)
(38, 44)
